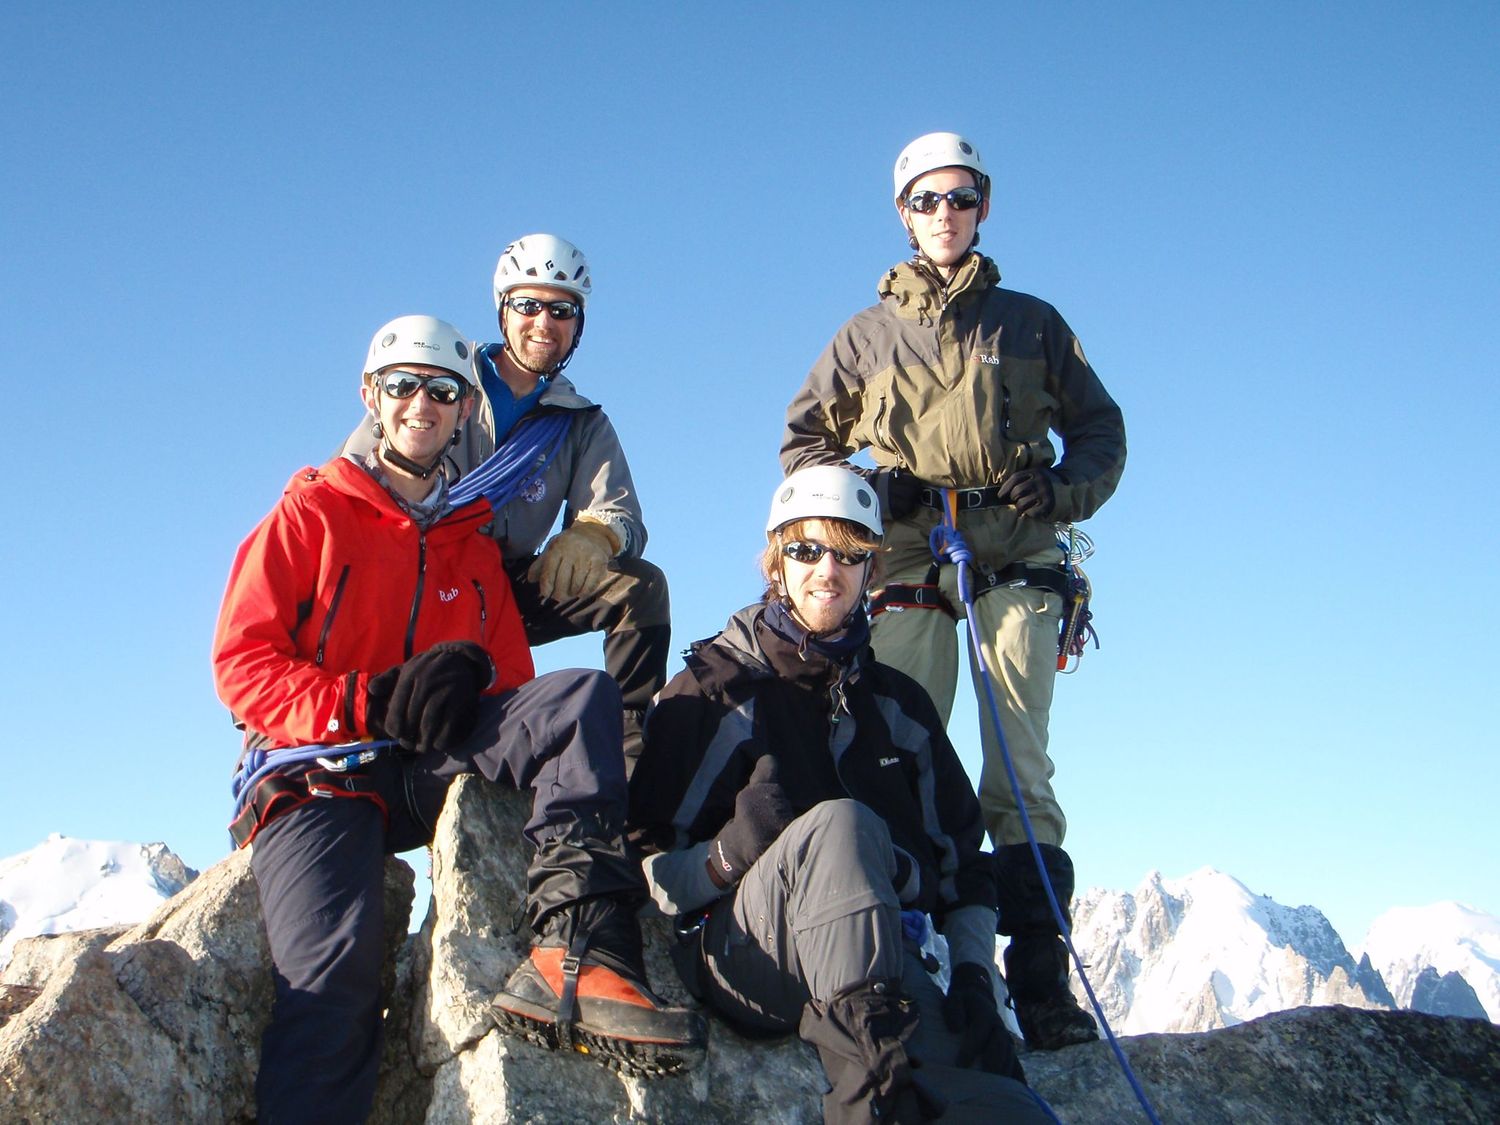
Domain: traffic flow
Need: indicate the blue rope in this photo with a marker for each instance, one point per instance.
(523, 455)
(948, 545)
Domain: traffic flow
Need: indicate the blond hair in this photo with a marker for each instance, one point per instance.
(841, 535)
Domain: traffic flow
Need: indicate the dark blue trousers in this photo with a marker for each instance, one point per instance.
(320, 872)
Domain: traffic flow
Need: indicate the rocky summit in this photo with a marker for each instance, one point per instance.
(162, 1022)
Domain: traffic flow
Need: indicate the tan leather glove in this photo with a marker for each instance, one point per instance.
(575, 562)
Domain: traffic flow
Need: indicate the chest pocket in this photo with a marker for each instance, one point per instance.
(1027, 407)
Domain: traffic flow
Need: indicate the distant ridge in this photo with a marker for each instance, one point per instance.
(1204, 952)
(65, 884)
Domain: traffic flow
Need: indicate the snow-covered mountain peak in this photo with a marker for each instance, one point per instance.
(67, 884)
(1204, 951)
(1446, 937)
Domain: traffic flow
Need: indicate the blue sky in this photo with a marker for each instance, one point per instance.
(1274, 228)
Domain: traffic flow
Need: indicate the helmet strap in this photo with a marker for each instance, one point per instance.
(394, 456)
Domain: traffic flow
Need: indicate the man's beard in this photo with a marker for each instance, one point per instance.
(551, 355)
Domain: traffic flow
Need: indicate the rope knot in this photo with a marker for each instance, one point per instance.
(948, 545)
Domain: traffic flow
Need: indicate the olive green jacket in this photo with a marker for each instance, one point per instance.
(962, 386)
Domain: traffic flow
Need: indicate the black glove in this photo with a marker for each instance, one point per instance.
(761, 811)
(431, 701)
(969, 1009)
(898, 492)
(1031, 491)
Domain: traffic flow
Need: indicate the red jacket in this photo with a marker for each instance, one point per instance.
(338, 584)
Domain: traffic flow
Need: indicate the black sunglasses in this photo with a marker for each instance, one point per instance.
(531, 306)
(809, 553)
(960, 199)
(442, 389)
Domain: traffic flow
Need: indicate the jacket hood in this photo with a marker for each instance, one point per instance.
(749, 641)
(738, 642)
(348, 478)
(917, 294)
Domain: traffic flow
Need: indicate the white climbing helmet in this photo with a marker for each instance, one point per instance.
(932, 151)
(422, 339)
(543, 259)
(825, 492)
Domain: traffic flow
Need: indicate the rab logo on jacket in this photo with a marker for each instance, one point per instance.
(889, 761)
(448, 595)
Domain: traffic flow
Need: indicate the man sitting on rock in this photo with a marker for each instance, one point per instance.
(809, 814)
(370, 646)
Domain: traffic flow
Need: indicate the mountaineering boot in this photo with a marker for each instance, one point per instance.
(1048, 1013)
(1036, 961)
(583, 988)
(861, 1035)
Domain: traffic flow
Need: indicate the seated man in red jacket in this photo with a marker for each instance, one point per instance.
(810, 815)
(365, 610)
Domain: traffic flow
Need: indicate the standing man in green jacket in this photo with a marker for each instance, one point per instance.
(957, 387)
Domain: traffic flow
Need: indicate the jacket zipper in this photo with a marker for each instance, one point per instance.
(416, 600)
(483, 611)
(333, 609)
(881, 437)
(838, 702)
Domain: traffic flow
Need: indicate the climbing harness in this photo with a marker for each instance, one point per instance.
(948, 546)
(896, 597)
(271, 783)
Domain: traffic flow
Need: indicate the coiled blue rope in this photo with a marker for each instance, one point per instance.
(256, 764)
(524, 455)
(948, 545)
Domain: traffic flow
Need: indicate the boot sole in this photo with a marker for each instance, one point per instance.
(641, 1057)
